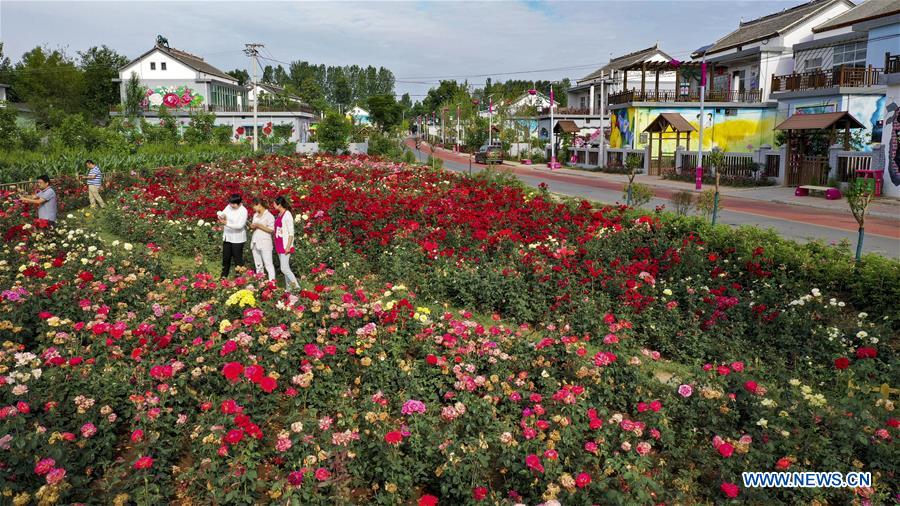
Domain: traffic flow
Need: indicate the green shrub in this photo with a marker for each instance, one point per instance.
(641, 194)
(683, 201)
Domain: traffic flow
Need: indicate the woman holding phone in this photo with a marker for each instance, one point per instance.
(284, 241)
(261, 244)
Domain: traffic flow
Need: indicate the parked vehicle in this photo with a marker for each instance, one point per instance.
(489, 154)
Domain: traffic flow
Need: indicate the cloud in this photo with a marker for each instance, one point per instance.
(413, 39)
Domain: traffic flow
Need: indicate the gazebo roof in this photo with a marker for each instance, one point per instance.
(667, 119)
(666, 66)
(821, 121)
(567, 126)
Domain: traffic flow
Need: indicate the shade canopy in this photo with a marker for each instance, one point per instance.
(823, 121)
(566, 126)
(669, 119)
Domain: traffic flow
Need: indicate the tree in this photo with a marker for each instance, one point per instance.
(860, 197)
(9, 132)
(134, 95)
(7, 76)
(384, 111)
(50, 83)
(100, 66)
(242, 76)
(333, 133)
(342, 93)
(200, 129)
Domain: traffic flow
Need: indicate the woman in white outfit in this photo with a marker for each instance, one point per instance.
(234, 233)
(284, 241)
(261, 244)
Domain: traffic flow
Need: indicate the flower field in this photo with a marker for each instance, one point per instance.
(457, 341)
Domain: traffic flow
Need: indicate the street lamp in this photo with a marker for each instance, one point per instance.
(553, 163)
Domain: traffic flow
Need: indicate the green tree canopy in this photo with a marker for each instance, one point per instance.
(50, 83)
(100, 66)
(333, 133)
(384, 111)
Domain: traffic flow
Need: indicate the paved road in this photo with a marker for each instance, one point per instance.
(793, 222)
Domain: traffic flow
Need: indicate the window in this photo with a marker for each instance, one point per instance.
(812, 64)
(582, 102)
(162, 66)
(153, 65)
(850, 55)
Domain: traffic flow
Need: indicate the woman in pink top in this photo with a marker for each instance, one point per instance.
(284, 240)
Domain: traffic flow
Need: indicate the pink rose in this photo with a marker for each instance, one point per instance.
(56, 475)
(685, 390)
(171, 100)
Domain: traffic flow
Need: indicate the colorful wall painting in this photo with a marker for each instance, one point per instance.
(173, 97)
(737, 130)
(868, 109)
(621, 133)
(891, 138)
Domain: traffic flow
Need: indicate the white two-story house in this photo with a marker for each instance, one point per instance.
(184, 83)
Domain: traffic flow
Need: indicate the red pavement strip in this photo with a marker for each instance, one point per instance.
(786, 212)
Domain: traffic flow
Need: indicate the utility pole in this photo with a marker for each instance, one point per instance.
(457, 128)
(602, 160)
(252, 50)
(698, 184)
(552, 134)
(490, 120)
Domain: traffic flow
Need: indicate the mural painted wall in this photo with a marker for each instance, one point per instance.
(173, 97)
(891, 140)
(737, 130)
(868, 109)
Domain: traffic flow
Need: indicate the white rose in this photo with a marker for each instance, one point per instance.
(127, 246)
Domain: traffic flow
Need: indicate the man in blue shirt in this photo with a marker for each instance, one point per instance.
(45, 199)
(94, 179)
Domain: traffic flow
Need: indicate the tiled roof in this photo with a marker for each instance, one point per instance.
(193, 61)
(625, 60)
(768, 26)
(865, 11)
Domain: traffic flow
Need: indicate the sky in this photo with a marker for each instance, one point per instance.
(420, 41)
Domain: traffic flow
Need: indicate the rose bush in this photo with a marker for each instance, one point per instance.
(610, 360)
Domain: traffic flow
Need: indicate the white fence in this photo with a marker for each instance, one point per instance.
(311, 148)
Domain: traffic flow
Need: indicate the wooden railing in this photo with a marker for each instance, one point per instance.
(847, 165)
(892, 64)
(844, 76)
(735, 165)
(574, 111)
(628, 96)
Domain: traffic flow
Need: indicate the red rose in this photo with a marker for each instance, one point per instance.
(229, 407)
(782, 464)
(583, 480)
(322, 474)
(893, 422)
(234, 436)
(295, 478)
(240, 130)
(393, 437)
(723, 370)
(143, 463)
(428, 500)
(865, 352)
(730, 489)
(725, 450)
(254, 373)
(750, 386)
(268, 384)
(232, 371)
(479, 493)
(842, 363)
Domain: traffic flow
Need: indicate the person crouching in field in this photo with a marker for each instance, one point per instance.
(261, 244)
(94, 180)
(284, 241)
(234, 233)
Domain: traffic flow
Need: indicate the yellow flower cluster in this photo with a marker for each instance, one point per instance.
(241, 298)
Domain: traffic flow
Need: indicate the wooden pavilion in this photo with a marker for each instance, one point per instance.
(803, 167)
(666, 124)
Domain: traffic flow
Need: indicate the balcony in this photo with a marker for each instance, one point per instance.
(629, 96)
(855, 77)
(892, 64)
(574, 111)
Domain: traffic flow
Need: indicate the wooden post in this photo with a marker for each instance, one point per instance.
(688, 141)
(643, 79)
(847, 137)
(624, 80)
(659, 165)
(657, 84)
